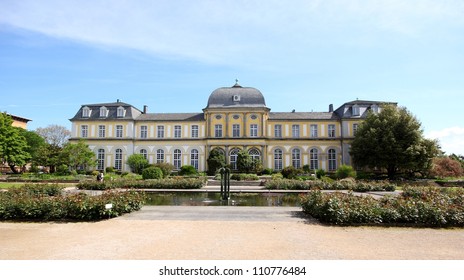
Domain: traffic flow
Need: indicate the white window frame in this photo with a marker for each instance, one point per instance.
(295, 131)
(86, 112)
(235, 130)
(332, 159)
(101, 131)
(253, 130)
(159, 156)
(101, 159)
(177, 131)
(313, 129)
(177, 159)
(194, 131)
(194, 158)
(118, 159)
(144, 153)
(296, 158)
(314, 159)
(84, 131)
(278, 131)
(120, 112)
(218, 131)
(331, 130)
(143, 132)
(119, 131)
(103, 112)
(160, 131)
(278, 159)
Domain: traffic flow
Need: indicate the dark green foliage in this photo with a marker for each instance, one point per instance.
(216, 160)
(320, 173)
(137, 163)
(186, 170)
(290, 172)
(46, 202)
(166, 168)
(13, 145)
(424, 206)
(152, 173)
(345, 184)
(244, 177)
(169, 183)
(392, 140)
(345, 171)
(109, 169)
(267, 171)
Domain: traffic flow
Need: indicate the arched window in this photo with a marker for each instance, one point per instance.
(278, 159)
(332, 155)
(144, 153)
(177, 159)
(255, 154)
(194, 158)
(103, 112)
(314, 159)
(233, 158)
(101, 159)
(296, 158)
(159, 156)
(118, 159)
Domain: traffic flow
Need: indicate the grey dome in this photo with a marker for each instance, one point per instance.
(236, 96)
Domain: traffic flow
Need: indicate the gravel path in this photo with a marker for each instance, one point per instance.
(222, 233)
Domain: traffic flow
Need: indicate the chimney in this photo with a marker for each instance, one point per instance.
(145, 108)
(331, 108)
(118, 101)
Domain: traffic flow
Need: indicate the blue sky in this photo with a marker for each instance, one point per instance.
(170, 55)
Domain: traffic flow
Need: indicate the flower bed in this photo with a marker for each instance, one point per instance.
(46, 202)
(170, 183)
(358, 186)
(423, 206)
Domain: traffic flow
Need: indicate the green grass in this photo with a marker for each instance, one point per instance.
(10, 185)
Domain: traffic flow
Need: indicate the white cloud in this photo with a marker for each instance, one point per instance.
(226, 31)
(451, 139)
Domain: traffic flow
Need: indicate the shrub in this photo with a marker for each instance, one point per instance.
(290, 172)
(267, 171)
(109, 169)
(446, 167)
(166, 168)
(320, 173)
(345, 171)
(244, 177)
(152, 173)
(169, 183)
(306, 169)
(187, 170)
(137, 163)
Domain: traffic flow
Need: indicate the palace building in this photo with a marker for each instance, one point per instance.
(235, 118)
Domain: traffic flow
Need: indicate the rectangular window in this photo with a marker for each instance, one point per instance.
(295, 131)
(236, 130)
(278, 131)
(84, 131)
(177, 131)
(314, 130)
(101, 131)
(144, 132)
(331, 130)
(253, 130)
(160, 132)
(118, 131)
(194, 131)
(218, 130)
(355, 128)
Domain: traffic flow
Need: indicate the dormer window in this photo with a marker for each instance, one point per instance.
(375, 108)
(236, 98)
(355, 110)
(121, 112)
(103, 112)
(86, 112)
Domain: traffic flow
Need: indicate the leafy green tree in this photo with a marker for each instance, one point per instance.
(244, 162)
(216, 160)
(35, 143)
(13, 145)
(137, 163)
(77, 156)
(187, 170)
(392, 140)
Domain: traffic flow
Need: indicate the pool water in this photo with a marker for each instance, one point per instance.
(214, 199)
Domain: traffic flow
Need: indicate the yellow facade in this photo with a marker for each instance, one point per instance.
(235, 119)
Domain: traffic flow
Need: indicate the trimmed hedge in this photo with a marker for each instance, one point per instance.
(429, 206)
(345, 184)
(170, 183)
(43, 205)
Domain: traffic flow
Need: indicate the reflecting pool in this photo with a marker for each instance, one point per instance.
(214, 199)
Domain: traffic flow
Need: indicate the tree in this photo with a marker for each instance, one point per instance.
(392, 140)
(244, 162)
(77, 155)
(35, 143)
(137, 163)
(13, 145)
(446, 167)
(55, 135)
(216, 160)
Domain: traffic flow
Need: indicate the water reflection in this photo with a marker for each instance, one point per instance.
(214, 199)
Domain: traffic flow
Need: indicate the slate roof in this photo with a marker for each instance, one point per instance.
(131, 112)
(224, 97)
(302, 116)
(171, 117)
